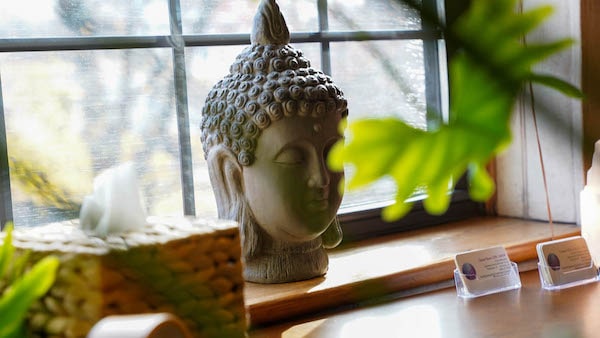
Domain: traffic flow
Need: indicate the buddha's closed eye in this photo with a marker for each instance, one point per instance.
(290, 156)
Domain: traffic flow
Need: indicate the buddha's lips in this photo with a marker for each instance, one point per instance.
(319, 204)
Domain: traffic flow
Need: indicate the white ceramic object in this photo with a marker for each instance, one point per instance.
(115, 205)
(153, 325)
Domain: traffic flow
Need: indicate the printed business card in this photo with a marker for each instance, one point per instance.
(566, 260)
(485, 270)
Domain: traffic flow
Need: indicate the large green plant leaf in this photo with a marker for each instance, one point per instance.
(485, 79)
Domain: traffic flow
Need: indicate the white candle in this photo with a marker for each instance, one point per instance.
(590, 207)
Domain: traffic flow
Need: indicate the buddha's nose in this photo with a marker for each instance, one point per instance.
(319, 174)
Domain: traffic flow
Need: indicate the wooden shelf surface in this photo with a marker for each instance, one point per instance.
(407, 261)
(528, 312)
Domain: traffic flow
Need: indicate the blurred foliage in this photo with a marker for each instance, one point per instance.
(36, 139)
(486, 76)
(37, 185)
(20, 287)
(70, 115)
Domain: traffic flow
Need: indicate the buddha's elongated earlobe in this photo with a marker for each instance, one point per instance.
(227, 181)
(251, 234)
(332, 236)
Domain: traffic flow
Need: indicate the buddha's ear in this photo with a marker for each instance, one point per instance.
(227, 181)
(332, 236)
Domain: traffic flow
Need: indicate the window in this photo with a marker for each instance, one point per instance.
(88, 84)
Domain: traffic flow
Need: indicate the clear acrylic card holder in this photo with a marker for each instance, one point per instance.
(553, 279)
(565, 263)
(487, 286)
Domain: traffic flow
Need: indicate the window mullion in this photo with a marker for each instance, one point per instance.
(433, 95)
(183, 125)
(13, 45)
(5, 193)
(323, 27)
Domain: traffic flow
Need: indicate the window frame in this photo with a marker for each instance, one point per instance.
(356, 225)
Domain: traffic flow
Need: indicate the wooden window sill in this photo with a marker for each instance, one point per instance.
(404, 262)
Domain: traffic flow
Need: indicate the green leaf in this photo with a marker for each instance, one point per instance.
(378, 141)
(18, 266)
(480, 182)
(524, 57)
(395, 211)
(558, 84)
(516, 26)
(7, 250)
(413, 158)
(438, 198)
(17, 299)
(335, 158)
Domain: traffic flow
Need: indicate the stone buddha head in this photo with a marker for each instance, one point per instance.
(267, 128)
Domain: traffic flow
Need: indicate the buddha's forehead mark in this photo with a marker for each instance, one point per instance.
(317, 127)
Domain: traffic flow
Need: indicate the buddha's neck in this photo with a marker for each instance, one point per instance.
(270, 245)
(279, 261)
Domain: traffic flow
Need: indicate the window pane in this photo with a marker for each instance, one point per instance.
(371, 15)
(41, 18)
(388, 80)
(235, 16)
(72, 114)
(206, 66)
(382, 78)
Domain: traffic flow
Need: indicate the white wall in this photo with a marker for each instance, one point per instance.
(520, 184)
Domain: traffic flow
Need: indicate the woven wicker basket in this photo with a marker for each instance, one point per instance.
(185, 266)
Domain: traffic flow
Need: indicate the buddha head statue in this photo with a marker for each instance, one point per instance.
(267, 128)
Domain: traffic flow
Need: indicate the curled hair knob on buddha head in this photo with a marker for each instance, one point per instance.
(269, 26)
(270, 86)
